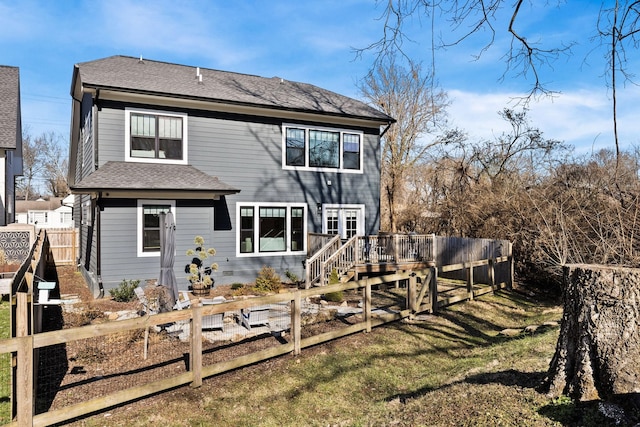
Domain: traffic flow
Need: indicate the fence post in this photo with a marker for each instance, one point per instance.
(195, 359)
(511, 266)
(492, 274)
(24, 371)
(367, 304)
(433, 289)
(470, 282)
(296, 325)
(411, 294)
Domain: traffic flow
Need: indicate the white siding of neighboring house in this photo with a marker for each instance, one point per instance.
(61, 217)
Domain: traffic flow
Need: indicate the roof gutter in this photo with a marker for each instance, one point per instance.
(226, 102)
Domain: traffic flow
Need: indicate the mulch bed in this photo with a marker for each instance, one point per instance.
(84, 369)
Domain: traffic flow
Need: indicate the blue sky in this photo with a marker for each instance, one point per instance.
(312, 42)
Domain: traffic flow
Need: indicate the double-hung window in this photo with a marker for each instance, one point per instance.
(149, 212)
(314, 148)
(155, 137)
(271, 228)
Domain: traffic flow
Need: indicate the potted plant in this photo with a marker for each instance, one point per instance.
(199, 274)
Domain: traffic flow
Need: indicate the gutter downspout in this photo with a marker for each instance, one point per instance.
(97, 209)
(98, 245)
(94, 124)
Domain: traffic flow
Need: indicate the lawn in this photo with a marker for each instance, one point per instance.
(454, 369)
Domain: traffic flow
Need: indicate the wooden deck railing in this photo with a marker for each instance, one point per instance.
(397, 248)
(342, 260)
(360, 250)
(313, 266)
(317, 241)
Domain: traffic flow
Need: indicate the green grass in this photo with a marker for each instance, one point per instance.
(454, 369)
(5, 364)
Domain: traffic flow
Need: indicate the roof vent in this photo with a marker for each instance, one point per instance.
(140, 58)
(198, 75)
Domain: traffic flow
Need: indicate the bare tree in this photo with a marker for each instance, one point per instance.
(44, 161)
(55, 173)
(408, 96)
(616, 31)
(33, 151)
(585, 220)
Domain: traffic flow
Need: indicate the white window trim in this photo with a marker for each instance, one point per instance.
(127, 137)
(361, 217)
(307, 128)
(86, 213)
(256, 230)
(141, 203)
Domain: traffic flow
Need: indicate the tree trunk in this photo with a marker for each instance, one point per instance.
(598, 351)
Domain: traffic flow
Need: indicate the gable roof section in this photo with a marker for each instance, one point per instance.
(131, 177)
(23, 206)
(133, 75)
(10, 123)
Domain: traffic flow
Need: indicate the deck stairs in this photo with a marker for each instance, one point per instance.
(390, 250)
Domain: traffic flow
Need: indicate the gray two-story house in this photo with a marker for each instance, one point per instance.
(251, 164)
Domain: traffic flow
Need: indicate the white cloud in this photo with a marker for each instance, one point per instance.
(582, 118)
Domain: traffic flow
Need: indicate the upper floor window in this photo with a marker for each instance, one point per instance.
(315, 148)
(156, 137)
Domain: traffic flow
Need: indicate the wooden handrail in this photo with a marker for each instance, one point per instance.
(343, 260)
(313, 265)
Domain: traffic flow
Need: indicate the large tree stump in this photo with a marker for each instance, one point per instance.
(598, 350)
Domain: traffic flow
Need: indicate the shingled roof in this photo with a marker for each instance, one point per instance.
(151, 177)
(10, 124)
(135, 75)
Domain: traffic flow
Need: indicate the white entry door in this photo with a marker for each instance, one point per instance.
(347, 221)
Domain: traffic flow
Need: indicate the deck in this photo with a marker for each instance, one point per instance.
(472, 260)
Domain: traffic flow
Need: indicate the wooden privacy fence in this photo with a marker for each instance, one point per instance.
(90, 368)
(64, 244)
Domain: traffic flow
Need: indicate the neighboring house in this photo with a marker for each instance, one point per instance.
(251, 164)
(56, 212)
(10, 141)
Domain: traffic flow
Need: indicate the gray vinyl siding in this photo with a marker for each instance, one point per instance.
(245, 153)
(119, 252)
(88, 261)
(86, 157)
(248, 156)
(111, 133)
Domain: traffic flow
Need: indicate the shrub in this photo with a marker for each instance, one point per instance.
(236, 286)
(268, 280)
(293, 278)
(125, 290)
(334, 296)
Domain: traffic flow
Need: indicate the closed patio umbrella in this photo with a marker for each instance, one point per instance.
(167, 276)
